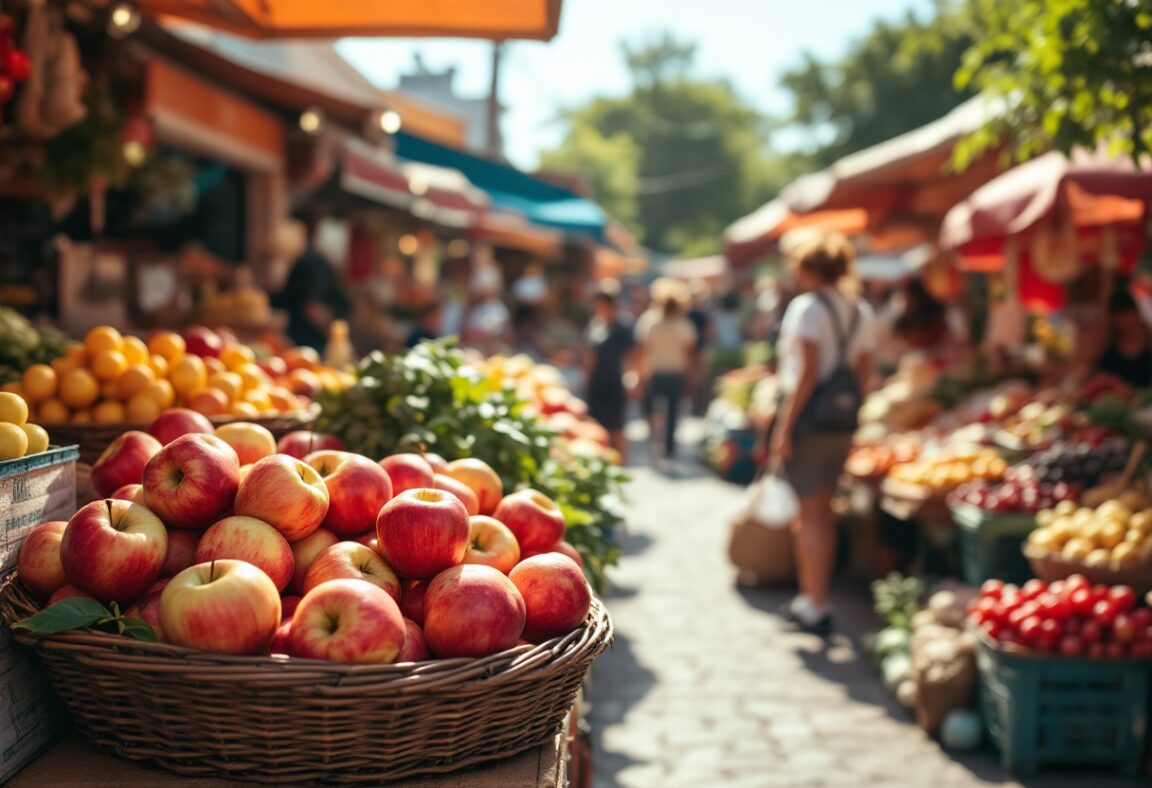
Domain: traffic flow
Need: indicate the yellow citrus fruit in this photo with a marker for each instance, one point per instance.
(13, 387)
(103, 338)
(159, 365)
(167, 344)
(188, 374)
(236, 356)
(63, 364)
(52, 411)
(246, 409)
(214, 365)
(13, 441)
(13, 408)
(143, 409)
(133, 380)
(229, 382)
(259, 399)
(78, 388)
(108, 364)
(108, 412)
(37, 438)
(83, 416)
(39, 382)
(253, 377)
(162, 392)
(135, 351)
(209, 401)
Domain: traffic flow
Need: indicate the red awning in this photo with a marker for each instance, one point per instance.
(754, 236)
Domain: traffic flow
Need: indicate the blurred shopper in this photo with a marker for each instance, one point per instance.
(609, 344)
(667, 343)
(429, 325)
(700, 315)
(1128, 352)
(729, 335)
(825, 358)
(312, 295)
(529, 293)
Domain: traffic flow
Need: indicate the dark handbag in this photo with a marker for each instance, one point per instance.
(835, 402)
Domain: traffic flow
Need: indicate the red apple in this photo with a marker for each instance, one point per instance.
(225, 606)
(347, 621)
(435, 461)
(423, 532)
(357, 489)
(123, 462)
(369, 540)
(479, 477)
(352, 560)
(251, 540)
(114, 550)
(305, 551)
(68, 592)
(192, 481)
(147, 608)
(201, 341)
(171, 424)
(412, 600)
(273, 366)
(491, 543)
(566, 548)
(286, 493)
(301, 443)
(472, 611)
(251, 442)
(408, 472)
(288, 605)
(181, 551)
(281, 642)
(414, 648)
(556, 595)
(535, 519)
(39, 564)
(130, 492)
(460, 490)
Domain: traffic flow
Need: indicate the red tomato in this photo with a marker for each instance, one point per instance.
(1056, 587)
(1142, 618)
(1124, 628)
(1055, 606)
(1082, 601)
(992, 629)
(1100, 592)
(1115, 650)
(1033, 588)
(992, 588)
(1095, 650)
(1141, 649)
(1030, 628)
(1090, 632)
(1123, 597)
(1072, 582)
(1104, 611)
(1071, 646)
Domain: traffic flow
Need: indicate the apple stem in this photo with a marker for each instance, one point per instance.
(108, 504)
(212, 571)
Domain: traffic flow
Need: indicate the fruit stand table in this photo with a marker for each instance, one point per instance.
(75, 762)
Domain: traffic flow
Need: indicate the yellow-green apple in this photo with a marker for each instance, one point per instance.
(408, 472)
(114, 550)
(347, 620)
(123, 462)
(479, 477)
(423, 532)
(251, 442)
(147, 608)
(39, 564)
(535, 519)
(68, 592)
(304, 552)
(437, 463)
(352, 561)
(192, 481)
(301, 443)
(129, 492)
(181, 551)
(171, 424)
(412, 600)
(225, 606)
(491, 543)
(472, 610)
(251, 540)
(357, 489)
(460, 490)
(556, 595)
(414, 648)
(286, 493)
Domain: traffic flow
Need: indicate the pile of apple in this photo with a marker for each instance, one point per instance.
(223, 541)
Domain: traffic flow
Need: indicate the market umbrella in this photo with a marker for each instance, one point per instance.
(757, 234)
(505, 19)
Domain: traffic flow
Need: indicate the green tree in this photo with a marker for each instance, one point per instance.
(701, 159)
(1073, 73)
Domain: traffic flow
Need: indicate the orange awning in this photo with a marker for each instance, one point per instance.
(505, 19)
(756, 234)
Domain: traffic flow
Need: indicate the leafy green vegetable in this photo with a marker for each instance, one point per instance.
(898, 598)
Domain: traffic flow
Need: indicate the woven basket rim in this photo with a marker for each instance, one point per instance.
(591, 637)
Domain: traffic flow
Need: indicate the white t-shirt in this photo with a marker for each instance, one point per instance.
(666, 342)
(808, 319)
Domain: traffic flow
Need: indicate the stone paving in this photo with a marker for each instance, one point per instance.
(705, 688)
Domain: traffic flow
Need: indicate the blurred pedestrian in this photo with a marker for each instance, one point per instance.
(825, 355)
(429, 325)
(700, 315)
(609, 346)
(667, 342)
(312, 295)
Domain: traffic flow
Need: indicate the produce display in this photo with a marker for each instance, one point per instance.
(23, 344)
(877, 459)
(334, 556)
(18, 437)
(948, 467)
(1116, 534)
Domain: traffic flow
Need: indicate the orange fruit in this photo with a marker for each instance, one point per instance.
(37, 438)
(259, 399)
(13, 441)
(82, 417)
(143, 409)
(63, 364)
(229, 382)
(109, 390)
(108, 364)
(167, 344)
(135, 351)
(159, 365)
(236, 356)
(39, 382)
(162, 392)
(301, 358)
(246, 409)
(108, 412)
(13, 408)
(214, 365)
(78, 388)
(14, 387)
(52, 411)
(133, 380)
(103, 338)
(188, 374)
(209, 401)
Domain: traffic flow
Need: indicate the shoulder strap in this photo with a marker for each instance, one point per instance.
(842, 337)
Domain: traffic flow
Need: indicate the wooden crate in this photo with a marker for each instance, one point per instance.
(33, 490)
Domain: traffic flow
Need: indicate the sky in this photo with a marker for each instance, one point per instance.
(750, 42)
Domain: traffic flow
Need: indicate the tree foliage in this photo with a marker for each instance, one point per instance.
(608, 164)
(1074, 73)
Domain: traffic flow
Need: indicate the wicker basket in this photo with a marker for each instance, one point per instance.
(1052, 566)
(94, 438)
(277, 720)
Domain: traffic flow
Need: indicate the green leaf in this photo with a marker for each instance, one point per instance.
(138, 629)
(64, 616)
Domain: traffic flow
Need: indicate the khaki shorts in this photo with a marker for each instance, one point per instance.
(817, 461)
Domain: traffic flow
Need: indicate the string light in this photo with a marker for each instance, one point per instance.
(408, 245)
(124, 19)
(390, 121)
(312, 120)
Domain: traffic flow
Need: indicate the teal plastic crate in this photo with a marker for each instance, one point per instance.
(1046, 711)
(991, 544)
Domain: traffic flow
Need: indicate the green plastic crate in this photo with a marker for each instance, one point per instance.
(991, 544)
(1044, 711)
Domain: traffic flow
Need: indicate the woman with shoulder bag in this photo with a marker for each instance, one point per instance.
(825, 350)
